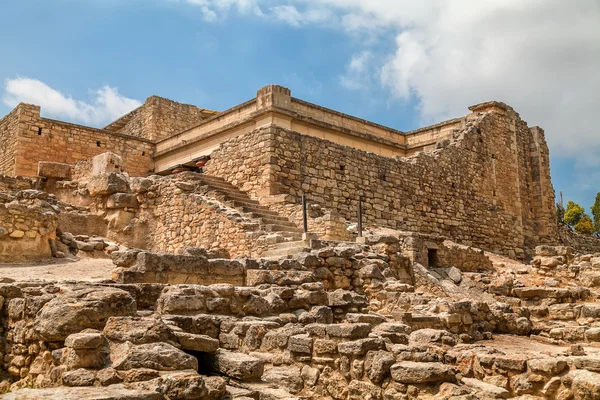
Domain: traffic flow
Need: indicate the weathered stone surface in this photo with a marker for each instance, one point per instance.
(202, 343)
(359, 390)
(586, 385)
(158, 356)
(79, 377)
(114, 392)
(421, 372)
(108, 183)
(348, 331)
(85, 340)
(487, 389)
(237, 365)
(137, 330)
(81, 307)
(360, 346)
(287, 377)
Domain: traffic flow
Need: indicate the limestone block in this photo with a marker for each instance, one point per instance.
(106, 163)
(238, 365)
(411, 372)
(54, 170)
(122, 200)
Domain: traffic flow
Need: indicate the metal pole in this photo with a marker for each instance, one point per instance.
(304, 216)
(360, 217)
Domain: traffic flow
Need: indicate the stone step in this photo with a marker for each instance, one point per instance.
(281, 228)
(267, 220)
(287, 245)
(290, 251)
(250, 209)
(258, 215)
(241, 198)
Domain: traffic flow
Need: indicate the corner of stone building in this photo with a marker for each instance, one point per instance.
(273, 96)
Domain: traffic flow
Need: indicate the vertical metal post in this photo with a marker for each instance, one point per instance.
(304, 216)
(360, 217)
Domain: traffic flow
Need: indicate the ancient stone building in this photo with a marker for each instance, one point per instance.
(482, 179)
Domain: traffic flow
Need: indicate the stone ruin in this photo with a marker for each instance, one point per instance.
(214, 291)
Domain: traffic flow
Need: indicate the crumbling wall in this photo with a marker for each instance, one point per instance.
(474, 190)
(9, 126)
(182, 219)
(160, 118)
(41, 139)
(581, 243)
(27, 224)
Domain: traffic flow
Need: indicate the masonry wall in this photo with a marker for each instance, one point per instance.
(475, 191)
(160, 118)
(41, 139)
(8, 138)
(181, 219)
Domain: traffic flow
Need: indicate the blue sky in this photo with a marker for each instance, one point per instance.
(404, 64)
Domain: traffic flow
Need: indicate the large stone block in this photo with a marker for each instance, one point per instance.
(54, 170)
(238, 365)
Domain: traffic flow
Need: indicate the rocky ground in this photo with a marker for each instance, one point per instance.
(342, 321)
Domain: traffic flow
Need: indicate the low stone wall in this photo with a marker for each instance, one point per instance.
(145, 267)
(581, 243)
(27, 224)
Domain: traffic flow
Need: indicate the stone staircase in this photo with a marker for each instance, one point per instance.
(269, 221)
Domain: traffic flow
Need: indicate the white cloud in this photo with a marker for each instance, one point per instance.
(106, 104)
(358, 72)
(294, 17)
(217, 10)
(539, 56)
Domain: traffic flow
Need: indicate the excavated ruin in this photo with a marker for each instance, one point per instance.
(392, 315)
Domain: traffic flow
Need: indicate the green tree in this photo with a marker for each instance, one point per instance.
(596, 213)
(573, 213)
(584, 225)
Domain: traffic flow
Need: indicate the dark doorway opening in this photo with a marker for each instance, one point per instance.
(432, 258)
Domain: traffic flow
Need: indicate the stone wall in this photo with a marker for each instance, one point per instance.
(182, 219)
(27, 224)
(581, 243)
(8, 138)
(160, 118)
(488, 187)
(40, 139)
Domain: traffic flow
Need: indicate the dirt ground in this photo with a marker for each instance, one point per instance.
(526, 346)
(87, 269)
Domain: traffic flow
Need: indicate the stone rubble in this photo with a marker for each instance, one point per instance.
(391, 330)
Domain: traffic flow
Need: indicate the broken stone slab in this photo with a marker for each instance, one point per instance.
(54, 170)
(289, 378)
(202, 343)
(360, 346)
(81, 307)
(79, 377)
(179, 385)
(586, 385)
(108, 183)
(349, 331)
(373, 319)
(487, 389)
(112, 392)
(590, 363)
(85, 340)
(411, 372)
(122, 200)
(302, 344)
(158, 356)
(237, 365)
(138, 330)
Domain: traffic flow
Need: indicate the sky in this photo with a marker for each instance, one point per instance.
(400, 63)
